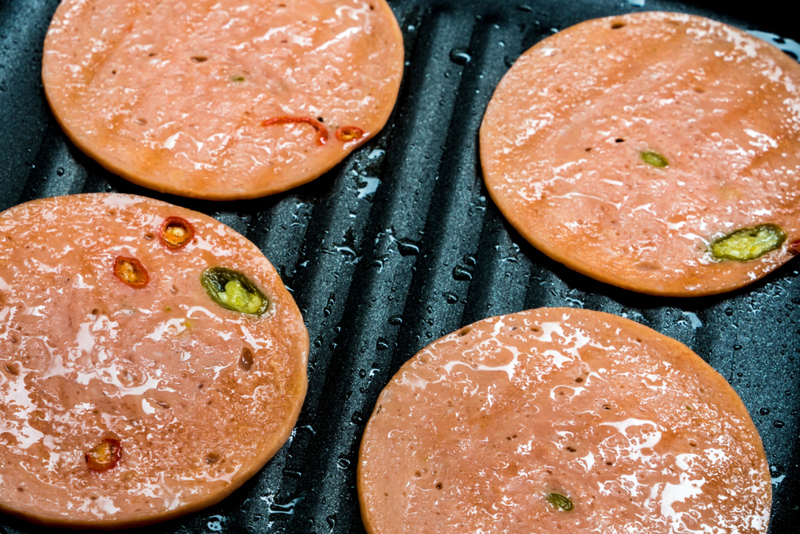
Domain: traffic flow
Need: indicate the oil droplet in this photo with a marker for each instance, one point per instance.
(728, 312)
(461, 273)
(60, 171)
(460, 56)
(343, 463)
(331, 301)
(288, 508)
(778, 424)
(764, 411)
(382, 344)
(407, 247)
(451, 298)
(367, 185)
(215, 525)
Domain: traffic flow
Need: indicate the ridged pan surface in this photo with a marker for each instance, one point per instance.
(399, 245)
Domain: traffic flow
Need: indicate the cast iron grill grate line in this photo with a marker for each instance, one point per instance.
(443, 277)
(500, 283)
(54, 170)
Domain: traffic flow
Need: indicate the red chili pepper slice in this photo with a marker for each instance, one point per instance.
(105, 455)
(131, 271)
(794, 247)
(176, 232)
(322, 132)
(349, 133)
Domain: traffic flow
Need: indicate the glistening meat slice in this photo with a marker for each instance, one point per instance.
(658, 152)
(151, 361)
(222, 99)
(561, 420)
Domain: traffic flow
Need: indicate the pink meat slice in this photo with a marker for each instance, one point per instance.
(638, 432)
(199, 397)
(562, 138)
(174, 95)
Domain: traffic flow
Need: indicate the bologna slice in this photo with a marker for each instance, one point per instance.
(561, 420)
(151, 361)
(222, 99)
(658, 152)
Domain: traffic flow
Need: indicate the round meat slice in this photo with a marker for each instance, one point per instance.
(151, 361)
(222, 99)
(561, 420)
(658, 152)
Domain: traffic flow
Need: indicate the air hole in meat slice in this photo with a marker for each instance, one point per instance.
(617, 24)
(464, 331)
(199, 59)
(212, 458)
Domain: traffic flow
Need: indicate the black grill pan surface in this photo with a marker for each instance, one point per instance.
(400, 244)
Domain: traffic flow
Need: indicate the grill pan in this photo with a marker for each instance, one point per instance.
(399, 245)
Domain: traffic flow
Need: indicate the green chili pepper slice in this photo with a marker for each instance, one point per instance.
(560, 501)
(233, 291)
(654, 158)
(748, 243)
